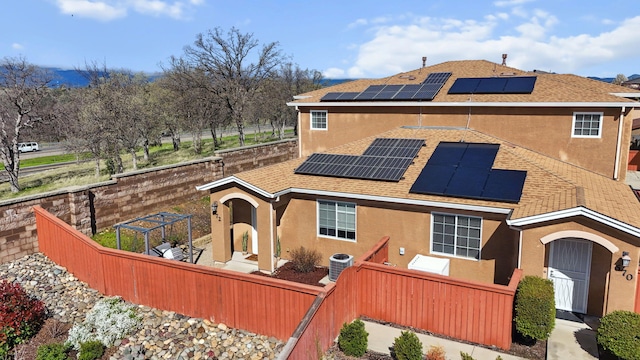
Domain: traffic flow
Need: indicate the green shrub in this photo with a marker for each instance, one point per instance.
(465, 356)
(304, 260)
(20, 316)
(535, 308)
(55, 351)
(353, 338)
(91, 350)
(407, 346)
(619, 333)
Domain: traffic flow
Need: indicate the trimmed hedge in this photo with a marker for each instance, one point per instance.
(619, 333)
(353, 338)
(535, 308)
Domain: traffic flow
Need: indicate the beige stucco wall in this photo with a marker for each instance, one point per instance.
(221, 225)
(407, 226)
(609, 290)
(546, 130)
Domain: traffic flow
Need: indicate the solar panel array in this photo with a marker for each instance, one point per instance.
(417, 92)
(464, 170)
(494, 85)
(384, 159)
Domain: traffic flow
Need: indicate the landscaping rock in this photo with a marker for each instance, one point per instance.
(163, 334)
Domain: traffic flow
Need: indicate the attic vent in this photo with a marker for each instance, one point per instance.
(337, 263)
(410, 77)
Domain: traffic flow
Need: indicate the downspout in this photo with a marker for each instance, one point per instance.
(271, 233)
(299, 130)
(616, 169)
(519, 250)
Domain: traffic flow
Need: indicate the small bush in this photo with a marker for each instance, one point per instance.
(435, 353)
(465, 356)
(20, 316)
(109, 320)
(535, 308)
(304, 260)
(619, 333)
(353, 338)
(55, 351)
(407, 346)
(91, 350)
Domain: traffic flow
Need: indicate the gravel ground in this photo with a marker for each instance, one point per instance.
(163, 334)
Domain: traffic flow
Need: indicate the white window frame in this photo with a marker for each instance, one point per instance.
(457, 216)
(326, 120)
(573, 125)
(355, 220)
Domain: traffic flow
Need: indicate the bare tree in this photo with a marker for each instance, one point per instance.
(620, 78)
(24, 96)
(232, 76)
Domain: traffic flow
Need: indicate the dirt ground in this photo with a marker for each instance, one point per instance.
(286, 272)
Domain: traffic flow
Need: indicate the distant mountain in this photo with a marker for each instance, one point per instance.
(331, 82)
(610, 79)
(73, 78)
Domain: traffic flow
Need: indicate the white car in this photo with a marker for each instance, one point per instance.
(28, 147)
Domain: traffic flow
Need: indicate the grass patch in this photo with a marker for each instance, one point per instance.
(83, 173)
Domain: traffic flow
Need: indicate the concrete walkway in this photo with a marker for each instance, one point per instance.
(633, 179)
(573, 339)
(381, 340)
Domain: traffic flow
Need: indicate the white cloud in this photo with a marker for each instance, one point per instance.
(98, 10)
(508, 3)
(16, 46)
(359, 22)
(107, 10)
(529, 42)
(333, 73)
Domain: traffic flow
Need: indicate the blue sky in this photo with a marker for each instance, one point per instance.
(343, 39)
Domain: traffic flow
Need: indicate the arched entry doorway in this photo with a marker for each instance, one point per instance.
(578, 275)
(243, 222)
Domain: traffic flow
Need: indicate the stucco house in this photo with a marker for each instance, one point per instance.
(486, 182)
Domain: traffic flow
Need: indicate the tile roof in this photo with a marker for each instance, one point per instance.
(551, 185)
(549, 87)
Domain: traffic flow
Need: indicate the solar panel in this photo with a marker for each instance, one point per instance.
(332, 96)
(427, 92)
(407, 92)
(504, 185)
(464, 170)
(388, 92)
(479, 155)
(346, 96)
(437, 78)
(433, 179)
(464, 86)
(385, 159)
(370, 92)
(520, 85)
(494, 85)
(491, 86)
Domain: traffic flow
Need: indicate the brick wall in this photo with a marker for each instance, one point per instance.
(126, 196)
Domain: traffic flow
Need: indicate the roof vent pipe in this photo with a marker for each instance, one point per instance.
(504, 59)
(424, 61)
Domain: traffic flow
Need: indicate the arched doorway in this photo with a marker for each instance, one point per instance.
(578, 266)
(242, 223)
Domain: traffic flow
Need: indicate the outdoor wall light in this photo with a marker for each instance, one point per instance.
(625, 259)
(214, 208)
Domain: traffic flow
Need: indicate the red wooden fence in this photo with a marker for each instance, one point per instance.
(266, 306)
(471, 311)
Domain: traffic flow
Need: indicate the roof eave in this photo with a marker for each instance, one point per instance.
(464, 104)
(234, 180)
(572, 212)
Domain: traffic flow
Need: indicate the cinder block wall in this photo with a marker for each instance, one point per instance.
(95, 207)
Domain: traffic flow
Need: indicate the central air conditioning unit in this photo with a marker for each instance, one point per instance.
(337, 263)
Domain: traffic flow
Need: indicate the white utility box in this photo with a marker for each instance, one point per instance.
(430, 264)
